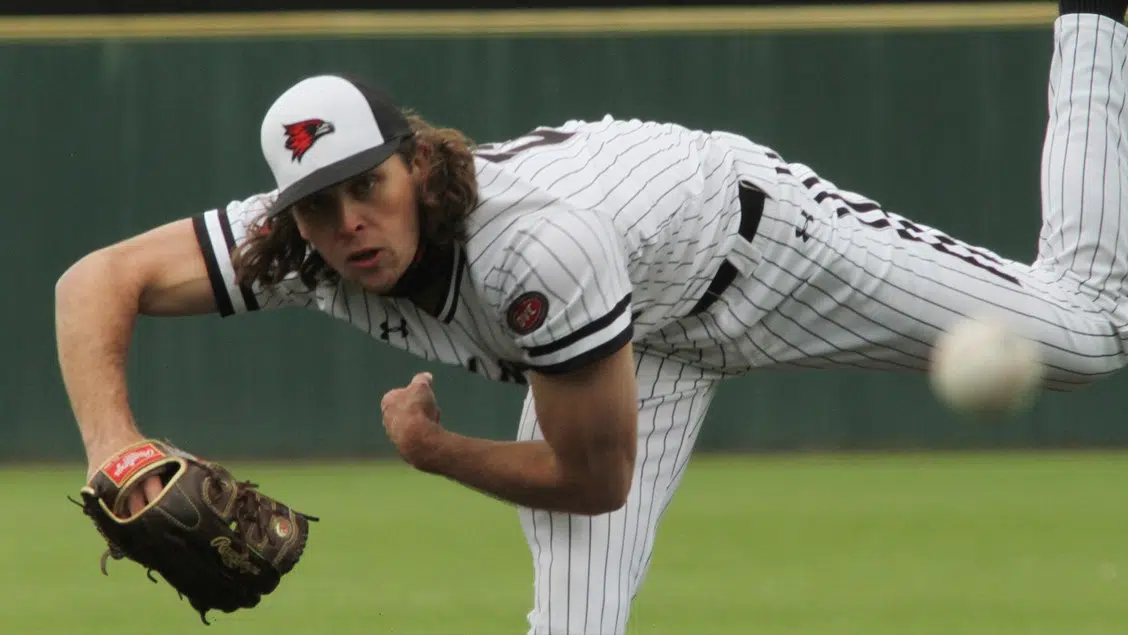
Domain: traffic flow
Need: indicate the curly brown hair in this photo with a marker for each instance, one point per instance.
(273, 248)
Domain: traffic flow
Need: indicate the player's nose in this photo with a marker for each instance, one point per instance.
(350, 216)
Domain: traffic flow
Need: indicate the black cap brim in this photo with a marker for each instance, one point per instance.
(333, 174)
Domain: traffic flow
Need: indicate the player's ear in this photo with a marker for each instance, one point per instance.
(420, 163)
(303, 230)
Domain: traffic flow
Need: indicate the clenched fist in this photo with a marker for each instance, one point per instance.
(411, 418)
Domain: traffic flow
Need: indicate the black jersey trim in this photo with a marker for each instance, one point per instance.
(603, 351)
(249, 299)
(219, 287)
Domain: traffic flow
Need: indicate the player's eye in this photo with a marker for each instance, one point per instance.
(362, 186)
(317, 205)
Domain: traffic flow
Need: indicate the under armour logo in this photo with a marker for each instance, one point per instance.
(801, 232)
(386, 329)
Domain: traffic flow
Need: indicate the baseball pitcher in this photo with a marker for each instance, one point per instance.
(620, 269)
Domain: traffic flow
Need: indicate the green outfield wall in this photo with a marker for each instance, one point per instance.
(108, 132)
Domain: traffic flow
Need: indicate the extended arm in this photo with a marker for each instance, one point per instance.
(97, 301)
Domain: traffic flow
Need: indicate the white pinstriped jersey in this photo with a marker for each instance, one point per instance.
(586, 235)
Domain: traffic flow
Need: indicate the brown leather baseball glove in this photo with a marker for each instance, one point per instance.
(219, 542)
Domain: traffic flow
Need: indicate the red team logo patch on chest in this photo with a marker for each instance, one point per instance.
(128, 463)
(527, 312)
(301, 135)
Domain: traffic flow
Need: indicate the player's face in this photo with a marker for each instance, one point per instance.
(365, 228)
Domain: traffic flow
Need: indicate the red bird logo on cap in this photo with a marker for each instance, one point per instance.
(300, 136)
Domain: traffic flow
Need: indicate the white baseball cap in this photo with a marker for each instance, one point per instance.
(326, 129)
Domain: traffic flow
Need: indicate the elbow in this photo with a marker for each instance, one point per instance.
(90, 282)
(603, 500)
(78, 273)
(72, 279)
(607, 492)
(66, 281)
(608, 501)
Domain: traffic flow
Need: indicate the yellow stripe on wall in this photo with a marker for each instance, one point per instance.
(540, 22)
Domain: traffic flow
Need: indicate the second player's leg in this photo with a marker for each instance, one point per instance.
(588, 569)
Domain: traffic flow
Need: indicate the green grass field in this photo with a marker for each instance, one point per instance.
(891, 545)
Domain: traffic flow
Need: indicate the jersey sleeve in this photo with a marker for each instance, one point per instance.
(563, 290)
(219, 232)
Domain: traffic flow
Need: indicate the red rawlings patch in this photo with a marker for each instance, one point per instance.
(129, 463)
(527, 312)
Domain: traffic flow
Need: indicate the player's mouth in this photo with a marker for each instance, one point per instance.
(365, 258)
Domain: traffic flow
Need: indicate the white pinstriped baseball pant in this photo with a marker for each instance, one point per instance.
(837, 282)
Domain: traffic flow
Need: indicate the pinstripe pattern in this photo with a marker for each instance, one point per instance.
(589, 569)
(1083, 147)
(622, 225)
(832, 280)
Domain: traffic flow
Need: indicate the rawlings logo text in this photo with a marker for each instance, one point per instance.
(129, 463)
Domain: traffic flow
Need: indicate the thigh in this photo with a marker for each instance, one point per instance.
(588, 569)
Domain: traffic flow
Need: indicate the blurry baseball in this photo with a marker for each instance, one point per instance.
(981, 368)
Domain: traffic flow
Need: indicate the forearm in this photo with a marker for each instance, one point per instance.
(526, 473)
(95, 310)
